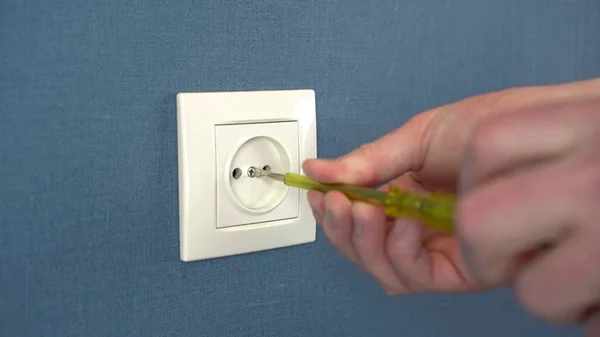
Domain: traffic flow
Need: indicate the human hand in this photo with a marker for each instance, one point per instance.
(525, 164)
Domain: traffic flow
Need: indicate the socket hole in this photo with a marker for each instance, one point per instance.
(267, 168)
(237, 173)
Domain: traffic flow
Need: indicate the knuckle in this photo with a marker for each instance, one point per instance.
(366, 153)
(358, 164)
(532, 294)
(528, 297)
(527, 300)
(365, 150)
(487, 135)
(592, 323)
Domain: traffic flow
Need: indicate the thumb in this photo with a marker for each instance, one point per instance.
(394, 154)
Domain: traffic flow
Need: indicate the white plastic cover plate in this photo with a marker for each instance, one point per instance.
(220, 135)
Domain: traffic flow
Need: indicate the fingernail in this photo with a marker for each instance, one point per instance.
(388, 291)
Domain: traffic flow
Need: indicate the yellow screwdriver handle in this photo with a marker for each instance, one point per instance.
(435, 210)
(352, 192)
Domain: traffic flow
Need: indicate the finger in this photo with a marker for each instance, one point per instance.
(338, 226)
(374, 163)
(562, 283)
(432, 268)
(407, 255)
(434, 142)
(520, 139)
(368, 239)
(316, 201)
(592, 325)
(406, 182)
(497, 223)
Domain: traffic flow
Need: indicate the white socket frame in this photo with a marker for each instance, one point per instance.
(197, 116)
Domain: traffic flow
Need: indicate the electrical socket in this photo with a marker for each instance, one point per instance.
(241, 199)
(223, 211)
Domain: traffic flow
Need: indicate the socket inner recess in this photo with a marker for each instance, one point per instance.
(258, 195)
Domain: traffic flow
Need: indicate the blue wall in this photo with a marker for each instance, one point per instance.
(88, 153)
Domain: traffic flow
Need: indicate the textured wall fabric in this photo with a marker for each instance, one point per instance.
(88, 153)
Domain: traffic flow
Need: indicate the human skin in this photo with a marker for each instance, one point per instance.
(525, 165)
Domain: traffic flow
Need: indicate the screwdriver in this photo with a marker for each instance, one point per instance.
(435, 210)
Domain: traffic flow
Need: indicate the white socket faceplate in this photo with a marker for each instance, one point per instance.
(222, 210)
